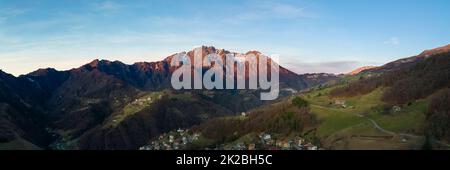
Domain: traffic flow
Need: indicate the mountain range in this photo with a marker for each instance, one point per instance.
(111, 105)
(401, 105)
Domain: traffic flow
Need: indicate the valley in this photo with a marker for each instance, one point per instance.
(109, 105)
(345, 120)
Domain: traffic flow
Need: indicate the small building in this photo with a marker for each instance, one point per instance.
(341, 103)
(267, 137)
(196, 136)
(171, 139)
(396, 109)
(286, 145)
(251, 146)
(184, 140)
(243, 114)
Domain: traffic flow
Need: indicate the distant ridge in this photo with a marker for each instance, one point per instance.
(359, 70)
(409, 61)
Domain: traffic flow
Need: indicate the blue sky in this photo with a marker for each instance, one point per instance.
(309, 35)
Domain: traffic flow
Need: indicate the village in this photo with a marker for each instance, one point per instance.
(175, 140)
(268, 141)
(181, 139)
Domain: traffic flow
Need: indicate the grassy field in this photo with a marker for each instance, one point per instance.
(143, 101)
(345, 122)
(409, 120)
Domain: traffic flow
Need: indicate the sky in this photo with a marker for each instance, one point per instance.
(308, 35)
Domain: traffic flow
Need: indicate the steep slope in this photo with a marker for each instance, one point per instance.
(46, 81)
(281, 125)
(408, 62)
(171, 111)
(361, 69)
(20, 119)
(406, 84)
(398, 108)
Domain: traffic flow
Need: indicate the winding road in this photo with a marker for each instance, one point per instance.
(381, 129)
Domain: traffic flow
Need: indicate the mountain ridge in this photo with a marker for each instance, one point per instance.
(95, 105)
(408, 61)
(99, 104)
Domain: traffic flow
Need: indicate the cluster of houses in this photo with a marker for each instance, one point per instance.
(142, 101)
(266, 141)
(175, 140)
(178, 140)
(145, 100)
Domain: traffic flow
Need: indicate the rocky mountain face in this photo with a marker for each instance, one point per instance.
(288, 79)
(112, 105)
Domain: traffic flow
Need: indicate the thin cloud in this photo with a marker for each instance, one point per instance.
(269, 10)
(392, 41)
(8, 40)
(336, 67)
(21, 58)
(287, 9)
(8, 13)
(2, 19)
(107, 6)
